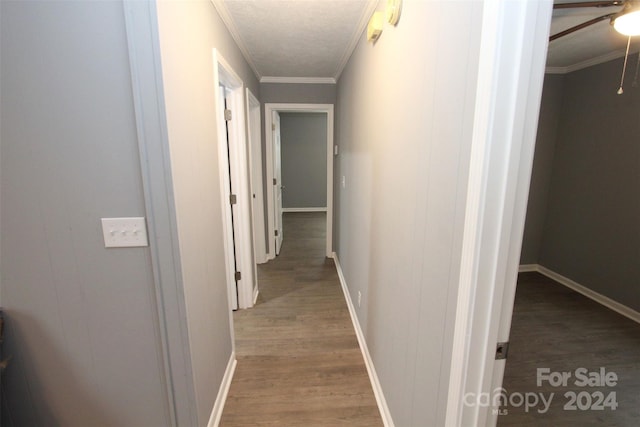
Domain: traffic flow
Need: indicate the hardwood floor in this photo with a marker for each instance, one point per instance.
(554, 327)
(299, 363)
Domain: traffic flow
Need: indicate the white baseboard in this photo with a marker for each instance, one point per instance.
(581, 289)
(218, 406)
(256, 291)
(318, 209)
(373, 376)
(527, 268)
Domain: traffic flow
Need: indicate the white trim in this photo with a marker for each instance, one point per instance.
(223, 391)
(355, 37)
(224, 14)
(245, 260)
(304, 209)
(256, 292)
(588, 63)
(254, 140)
(142, 33)
(619, 308)
(371, 370)
(299, 80)
(508, 94)
(269, 108)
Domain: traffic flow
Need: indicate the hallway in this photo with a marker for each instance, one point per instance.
(299, 362)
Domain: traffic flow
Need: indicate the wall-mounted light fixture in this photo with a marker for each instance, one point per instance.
(374, 29)
(392, 11)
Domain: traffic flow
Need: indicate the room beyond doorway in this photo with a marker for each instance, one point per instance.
(274, 181)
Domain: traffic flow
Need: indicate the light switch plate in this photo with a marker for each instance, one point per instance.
(124, 232)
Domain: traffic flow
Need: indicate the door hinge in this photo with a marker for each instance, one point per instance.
(227, 115)
(238, 276)
(501, 350)
(276, 233)
(275, 182)
(233, 199)
(273, 126)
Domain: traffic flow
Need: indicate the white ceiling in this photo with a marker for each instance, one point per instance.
(308, 39)
(311, 40)
(589, 46)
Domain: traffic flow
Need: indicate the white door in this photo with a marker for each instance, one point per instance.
(277, 182)
(231, 214)
(255, 161)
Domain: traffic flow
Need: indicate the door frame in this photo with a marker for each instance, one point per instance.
(276, 133)
(269, 108)
(513, 48)
(254, 126)
(234, 168)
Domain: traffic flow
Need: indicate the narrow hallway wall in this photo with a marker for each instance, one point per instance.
(404, 117)
(82, 325)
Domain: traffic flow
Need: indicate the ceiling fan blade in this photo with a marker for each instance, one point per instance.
(580, 26)
(588, 4)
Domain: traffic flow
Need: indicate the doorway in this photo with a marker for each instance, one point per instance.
(234, 185)
(274, 172)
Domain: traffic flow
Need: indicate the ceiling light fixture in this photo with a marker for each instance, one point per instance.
(627, 22)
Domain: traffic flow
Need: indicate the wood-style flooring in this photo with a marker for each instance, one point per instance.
(299, 363)
(554, 327)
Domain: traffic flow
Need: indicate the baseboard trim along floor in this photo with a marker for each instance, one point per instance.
(581, 289)
(313, 209)
(218, 406)
(373, 376)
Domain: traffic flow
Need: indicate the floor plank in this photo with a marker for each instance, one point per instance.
(298, 357)
(554, 327)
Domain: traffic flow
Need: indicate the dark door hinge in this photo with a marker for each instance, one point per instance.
(238, 276)
(233, 199)
(501, 350)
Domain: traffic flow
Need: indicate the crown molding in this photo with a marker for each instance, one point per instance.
(224, 14)
(588, 63)
(299, 80)
(355, 37)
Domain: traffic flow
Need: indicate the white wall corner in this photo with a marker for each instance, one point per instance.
(218, 406)
(373, 376)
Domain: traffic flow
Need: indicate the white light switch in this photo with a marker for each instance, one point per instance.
(124, 232)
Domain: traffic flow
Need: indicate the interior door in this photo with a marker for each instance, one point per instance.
(231, 214)
(277, 182)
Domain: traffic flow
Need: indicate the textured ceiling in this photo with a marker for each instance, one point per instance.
(589, 46)
(313, 39)
(296, 38)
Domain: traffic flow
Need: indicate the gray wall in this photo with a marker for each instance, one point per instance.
(304, 159)
(82, 321)
(301, 93)
(83, 324)
(550, 110)
(188, 33)
(291, 93)
(592, 232)
(404, 121)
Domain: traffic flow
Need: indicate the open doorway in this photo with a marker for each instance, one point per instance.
(234, 185)
(577, 297)
(300, 199)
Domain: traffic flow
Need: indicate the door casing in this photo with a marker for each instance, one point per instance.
(235, 168)
(269, 108)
